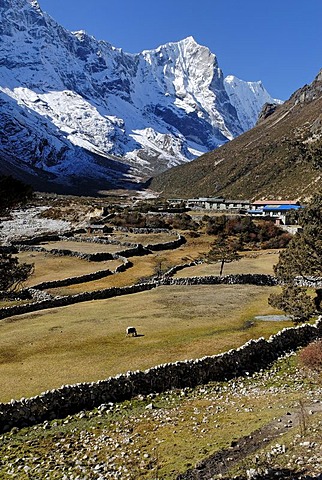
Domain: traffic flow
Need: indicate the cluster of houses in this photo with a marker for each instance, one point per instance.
(279, 210)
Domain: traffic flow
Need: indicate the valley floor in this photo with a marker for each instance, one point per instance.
(269, 420)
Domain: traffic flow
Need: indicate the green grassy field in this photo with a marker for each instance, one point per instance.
(87, 342)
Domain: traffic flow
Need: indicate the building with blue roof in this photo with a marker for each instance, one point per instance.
(278, 211)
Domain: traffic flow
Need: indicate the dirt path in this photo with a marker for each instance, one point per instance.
(221, 462)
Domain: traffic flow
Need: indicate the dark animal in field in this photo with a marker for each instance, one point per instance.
(131, 331)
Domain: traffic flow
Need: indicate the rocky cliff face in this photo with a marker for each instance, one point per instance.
(74, 107)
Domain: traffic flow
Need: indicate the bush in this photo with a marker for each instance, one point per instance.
(295, 302)
(311, 356)
(183, 221)
(262, 234)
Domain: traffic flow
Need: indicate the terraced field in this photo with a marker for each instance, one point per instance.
(86, 342)
(161, 435)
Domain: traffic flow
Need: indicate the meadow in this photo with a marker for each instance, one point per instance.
(86, 342)
(160, 435)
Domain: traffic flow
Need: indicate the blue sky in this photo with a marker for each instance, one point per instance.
(276, 41)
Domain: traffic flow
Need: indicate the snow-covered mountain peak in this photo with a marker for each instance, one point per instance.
(35, 4)
(64, 94)
(248, 99)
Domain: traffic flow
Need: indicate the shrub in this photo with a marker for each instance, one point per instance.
(311, 356)
(183, 221)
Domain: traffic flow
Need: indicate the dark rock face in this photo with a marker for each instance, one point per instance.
(267, 110)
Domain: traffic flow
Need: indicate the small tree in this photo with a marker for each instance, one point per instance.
(12, 273)
(223, 251)
(302, 260)
(295, 302)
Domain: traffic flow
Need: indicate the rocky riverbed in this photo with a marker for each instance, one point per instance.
(28, 223)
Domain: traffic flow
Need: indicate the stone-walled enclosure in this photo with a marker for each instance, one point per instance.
(70, 399)
(54, 302)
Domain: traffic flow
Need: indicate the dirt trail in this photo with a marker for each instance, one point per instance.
(221, 462)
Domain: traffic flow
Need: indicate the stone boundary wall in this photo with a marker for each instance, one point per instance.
(84, 278)
(167, 245)
(238, 279)
(132, 250)
(99, 240)
(172, 271)
(70, 399)
(49, 237)
(243, 279)
(180, 240)
(59, 252)
(72, 299)
(142, 230)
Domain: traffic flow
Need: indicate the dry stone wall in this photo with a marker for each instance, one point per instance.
(70, 399)
(263, 280)
(238, 279)
(72, 299)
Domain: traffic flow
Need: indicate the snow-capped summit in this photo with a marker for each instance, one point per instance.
(71, 105)
(248, 99)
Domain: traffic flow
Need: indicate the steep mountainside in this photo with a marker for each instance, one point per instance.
(280, 157)
(74, 107)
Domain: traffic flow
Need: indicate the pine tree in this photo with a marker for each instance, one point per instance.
(301, 261)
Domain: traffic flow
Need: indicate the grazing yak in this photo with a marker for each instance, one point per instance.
(131, 331)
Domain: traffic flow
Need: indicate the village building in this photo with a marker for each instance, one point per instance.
(278, 210)
(99, 228)
(212, 203)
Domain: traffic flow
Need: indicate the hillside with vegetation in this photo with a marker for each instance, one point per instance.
(281, 157)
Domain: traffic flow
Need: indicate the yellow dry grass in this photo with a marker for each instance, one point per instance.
(49, 267)
(251, 262)
(143, 238)
(87, 342)
(143, 267)
(83, 247)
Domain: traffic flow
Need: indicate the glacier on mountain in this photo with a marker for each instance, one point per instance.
(76, 107)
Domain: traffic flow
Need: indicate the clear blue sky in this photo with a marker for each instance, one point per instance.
(276, 41)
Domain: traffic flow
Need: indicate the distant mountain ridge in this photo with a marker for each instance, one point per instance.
(280, 158)
(73, 107)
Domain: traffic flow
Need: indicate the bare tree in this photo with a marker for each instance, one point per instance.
(223, 250)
